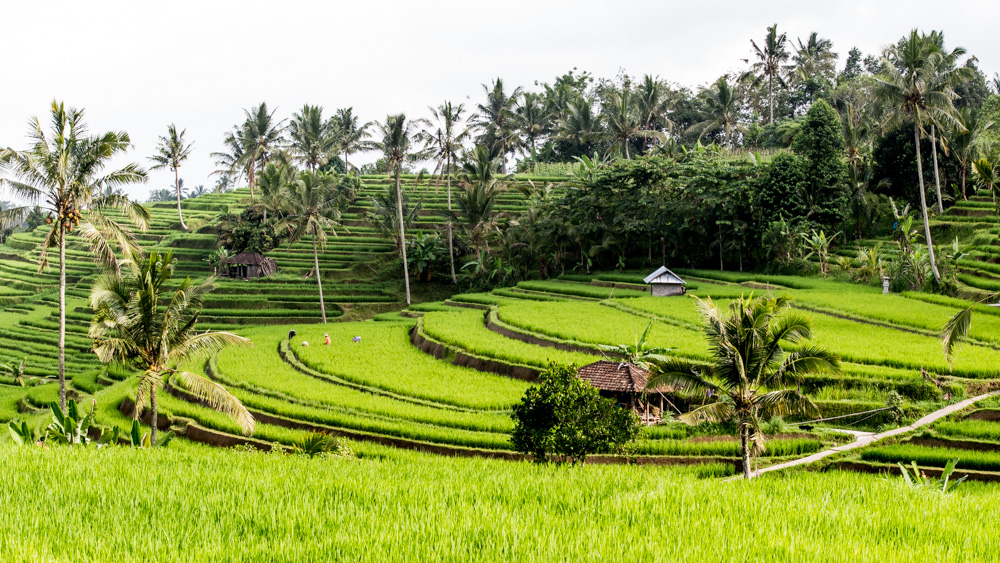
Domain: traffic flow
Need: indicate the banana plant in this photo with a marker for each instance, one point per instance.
(71, 427)
(22, 435)
(639, 353)
(915, 478)
(138, 439)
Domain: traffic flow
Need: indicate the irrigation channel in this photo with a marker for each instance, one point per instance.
(863, 439)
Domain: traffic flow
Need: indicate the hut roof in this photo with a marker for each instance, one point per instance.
(663, 275)
(615, 376)
(247, 259)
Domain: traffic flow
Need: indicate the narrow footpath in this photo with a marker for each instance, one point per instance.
(863, 439)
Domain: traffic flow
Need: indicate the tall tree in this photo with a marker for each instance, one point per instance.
(443, 139)
(62, 172)
(171, 151)
(964, 140)
(482, 182)
(770, 64)
(623, 122)
(351, 136)
(313, 139)
(252, 144)
(397, 148)
(533, 120)
(721, 111)
(915, 86)
(497, 119)
(146, 321)
(653, 104)
(749, 367)
(315, 205)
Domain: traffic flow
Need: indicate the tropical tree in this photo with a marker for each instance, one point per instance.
(653, 104)
(623, 122)
(482, 183)
(146, 320)
(964, 139)
(313, 139)
(315, 204)
(351, 136)
(62, 173)
(749, 367)
(916, 86)
(443, 139)
(171, 151)
(397, 147)
(497, 119)
(532, 119)
(721, 111)
(251, 144)
(815, 64)
(986, 171)
(273, 183)
(579, 124)
(770, 64)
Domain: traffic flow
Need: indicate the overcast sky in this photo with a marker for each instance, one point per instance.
(138, 66)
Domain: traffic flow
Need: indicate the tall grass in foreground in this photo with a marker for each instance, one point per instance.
(211, 505)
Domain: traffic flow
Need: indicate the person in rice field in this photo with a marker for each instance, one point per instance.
(326, 339)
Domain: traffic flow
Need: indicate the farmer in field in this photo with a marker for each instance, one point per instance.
(326, 339)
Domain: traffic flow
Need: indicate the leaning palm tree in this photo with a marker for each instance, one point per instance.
(145, 320)
(769, 65)
(315, 204)
(64, 174)
(749, 367)
(351, 135)
(397, 147)
(170, 153)
(313, 139)
(915, 86)
(443, 140)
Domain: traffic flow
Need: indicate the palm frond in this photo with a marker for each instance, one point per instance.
(218, 398)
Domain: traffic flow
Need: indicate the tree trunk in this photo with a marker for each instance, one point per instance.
(745, 451)
(770, 95)
(153, 413)
(62, 315)
(937, 176)
(923, 205)
(252, 180)
(319, 279)
(451, 239)
(962, 176)
(347, 165)
(402, 236)
(177, 187)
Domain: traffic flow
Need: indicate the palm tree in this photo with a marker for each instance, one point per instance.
(497, 119)
(144, 320)
(580, 124)
(171, 152)
(315, 204)
(721, 111)
(63, 174)
(252, 144)
(769, 65)
(986, 171)
(383, 217)
(273, 183)
(914, 85)
(482, 185)
(350, 135)
(815, 63)
(653, 103)
(532, 119)
(313, 139)
(749, 367)
(965, 138)
(444, 139)
(396, 146)
(623, 122)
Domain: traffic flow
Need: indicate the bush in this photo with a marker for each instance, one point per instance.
(566, 416)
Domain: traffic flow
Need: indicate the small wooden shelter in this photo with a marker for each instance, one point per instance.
(249, 265)
(625, 383)
(663, 283)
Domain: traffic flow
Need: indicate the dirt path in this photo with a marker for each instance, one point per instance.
(863, 439)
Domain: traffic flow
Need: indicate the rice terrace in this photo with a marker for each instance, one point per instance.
(593, 316)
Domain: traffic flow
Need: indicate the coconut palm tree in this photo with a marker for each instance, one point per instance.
(252, 144)
(986, 171)
(532, 119)
(313, 140)
(351, 136)
(315, 204)
(273, 184)
(145, 320)
(63, 173)
(721, 111)
(397, 147)
(580, 124)
(497, 119)
(770, 64)
(623, 122)
(749, 367)
(482, 182)
(964, 140)
(915, 85)
(171, 151)
(443, 139)
(653, 102)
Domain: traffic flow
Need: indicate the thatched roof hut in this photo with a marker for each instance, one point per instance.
(626, 383)
(249, 265)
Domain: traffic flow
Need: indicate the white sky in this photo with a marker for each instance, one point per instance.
(138, 65)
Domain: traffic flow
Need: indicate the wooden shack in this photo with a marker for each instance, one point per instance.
(248, 265)
(626, 383)
(664, 283)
